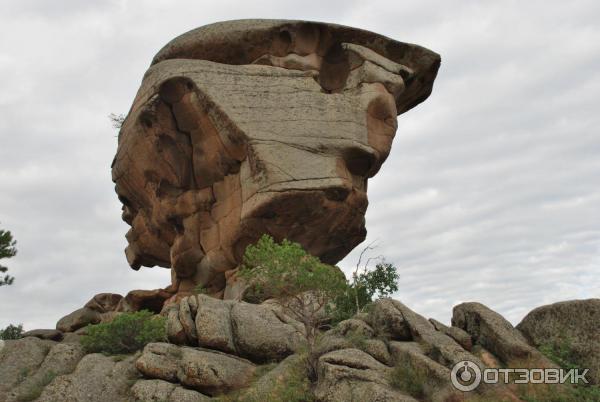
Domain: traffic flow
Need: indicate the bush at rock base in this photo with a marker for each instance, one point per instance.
(127, 333)
(301, 284)
(11, 332)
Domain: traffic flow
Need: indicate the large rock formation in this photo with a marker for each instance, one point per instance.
(258, 126)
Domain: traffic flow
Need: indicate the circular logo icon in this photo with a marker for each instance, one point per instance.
(465, 376)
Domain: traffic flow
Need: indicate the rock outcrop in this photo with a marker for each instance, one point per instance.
(573, 326)
(492, 331)
(257, 332)
(259, 126)
(209, 372)
(238, 351)
(78, 319)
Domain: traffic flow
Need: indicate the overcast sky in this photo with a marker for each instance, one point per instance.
(491, 192)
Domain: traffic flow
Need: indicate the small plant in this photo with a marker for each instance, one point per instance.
(200, 290)
(117, 120)
(561, 352)
(23, 373)
(11, 332)
(408, 379)
(127, 333)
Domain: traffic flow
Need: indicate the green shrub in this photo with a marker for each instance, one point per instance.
(367, 283)
(7, 250)
(127, 333)
(200, 290)
(300, 282)
(11, 332)
(408, 379)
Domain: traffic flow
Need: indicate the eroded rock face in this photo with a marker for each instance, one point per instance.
(495, 333)
(259, 126)
(257, 332)
(207, 371)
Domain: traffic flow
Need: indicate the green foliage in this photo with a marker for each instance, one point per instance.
(302, 284)
(127, 333)
(200, 290)
(7, 250)
(408, 379)
(381, 282)
(562, 353)
(11, 332)
(299, 282)
(286, 270)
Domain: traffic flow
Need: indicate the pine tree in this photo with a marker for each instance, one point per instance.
(7, 250)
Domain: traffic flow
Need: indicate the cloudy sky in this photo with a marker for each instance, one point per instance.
(491, 192)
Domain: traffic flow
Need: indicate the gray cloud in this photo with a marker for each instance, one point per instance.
(490, 192)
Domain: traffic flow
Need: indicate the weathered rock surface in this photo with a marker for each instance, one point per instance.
(253, 331)
(350, 374)
(574, 324)
(440, 347)
(363, 358)
(151, 300)
(261, 335)
(459, 335)
(259, 126)
(354, 333)
(388, 321)
(62, 358)
(207, 371)
(20, 358)
(104, 302)
(163, 391)
(50, 334)
(213, 324)
(495, 333)
(434, 376)
(78, 319)
(97, 378)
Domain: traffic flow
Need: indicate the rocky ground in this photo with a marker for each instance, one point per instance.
(235, 351)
